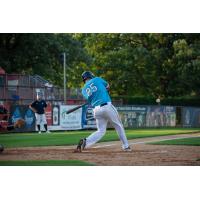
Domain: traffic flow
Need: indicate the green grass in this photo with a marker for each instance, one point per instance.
(44, 163)
(186, 141)
(72, 137)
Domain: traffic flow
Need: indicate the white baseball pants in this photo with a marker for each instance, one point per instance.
(40, 119)
(103, 115)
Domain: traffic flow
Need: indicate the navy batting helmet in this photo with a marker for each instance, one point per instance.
(86, 75)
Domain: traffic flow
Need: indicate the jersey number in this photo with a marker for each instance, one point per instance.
(92, 88)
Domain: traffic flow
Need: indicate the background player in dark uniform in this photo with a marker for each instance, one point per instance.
(38, 107)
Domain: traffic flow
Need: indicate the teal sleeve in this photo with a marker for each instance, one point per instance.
(104, 82)
(84, 94)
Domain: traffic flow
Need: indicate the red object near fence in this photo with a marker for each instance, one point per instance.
(2, 71)
(48, 112)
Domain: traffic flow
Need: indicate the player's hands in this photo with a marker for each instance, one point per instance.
(33, 109)
(108, 87)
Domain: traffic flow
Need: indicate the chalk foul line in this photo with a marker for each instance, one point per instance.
(149, 141)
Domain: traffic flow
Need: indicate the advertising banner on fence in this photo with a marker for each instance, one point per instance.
(48, 112)
(160, 116)
(71, 121)
(88, 120)
(170, 113)
(133, 116)
(137, 116)
(83, 118)
(24, 112)
(56, 115)
(191, 117)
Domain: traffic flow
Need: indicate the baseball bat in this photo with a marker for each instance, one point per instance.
(75, 108)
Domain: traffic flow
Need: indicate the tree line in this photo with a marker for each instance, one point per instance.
(147, 64)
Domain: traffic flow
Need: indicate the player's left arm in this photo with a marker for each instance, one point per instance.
(45, 104)
(106, 84)
(108, 87)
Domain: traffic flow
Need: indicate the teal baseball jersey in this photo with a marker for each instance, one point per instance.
(95, 92)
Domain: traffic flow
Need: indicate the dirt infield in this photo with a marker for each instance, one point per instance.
(110, 153)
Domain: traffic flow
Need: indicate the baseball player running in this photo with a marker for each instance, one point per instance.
(38, 107)
(95, 91)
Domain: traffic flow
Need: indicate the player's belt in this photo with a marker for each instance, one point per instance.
(103, 104)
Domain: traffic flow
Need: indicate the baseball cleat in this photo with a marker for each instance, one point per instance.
(80, 146)
(1, 148)
(128, 149)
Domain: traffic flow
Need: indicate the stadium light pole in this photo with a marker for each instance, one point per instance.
(64, 69)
